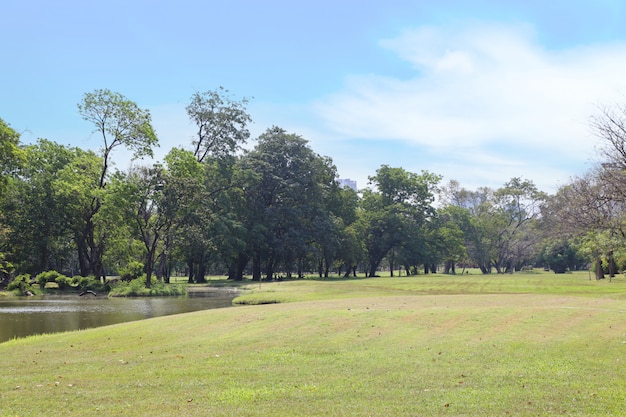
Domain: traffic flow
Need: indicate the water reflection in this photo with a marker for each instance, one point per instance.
(49, 314)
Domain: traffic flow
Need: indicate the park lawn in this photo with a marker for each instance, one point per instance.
(424, 346)
(578, 283)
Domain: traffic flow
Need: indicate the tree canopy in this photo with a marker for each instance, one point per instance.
(276, 209)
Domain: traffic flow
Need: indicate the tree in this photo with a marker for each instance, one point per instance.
(608, 194)
(391, 215)
(610, 127)
(207, 223)
(500, 231)
(335, 233)
(560, 255)
(145, 195)
(450, 237)
(76, 190)
(120, 122)
(285, 196)
(41, 235)
(519, 206)
(588, 213)
(221, 123)
(11, 156)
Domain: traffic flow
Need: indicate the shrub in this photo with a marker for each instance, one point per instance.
(90, 283)
(21, 285)
(45, 277)
(137, 288)
(63, 282)
(132, 270)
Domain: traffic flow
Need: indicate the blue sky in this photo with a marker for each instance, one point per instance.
(477, 91)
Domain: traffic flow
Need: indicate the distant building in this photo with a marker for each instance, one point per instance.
(347, 182)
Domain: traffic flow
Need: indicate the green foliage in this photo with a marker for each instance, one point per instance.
(63, 282)
(40, 213)
(395, 215)
(89, 283)
(560, 256)
(11, 155)
(221, 123)
(285, 195)
(21, 285)
(48, 276)
(138, 288)
(120, 121)
(131, 271)
(6, 269)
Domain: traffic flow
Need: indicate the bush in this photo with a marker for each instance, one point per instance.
(137, 288)
(132, 270)
(90, 283)
(63, 282)
(47, 276)
(21, 285)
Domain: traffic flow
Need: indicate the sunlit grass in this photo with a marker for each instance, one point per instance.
(577, 283)
(521, 345)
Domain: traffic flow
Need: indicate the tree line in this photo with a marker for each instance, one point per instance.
(277, 209)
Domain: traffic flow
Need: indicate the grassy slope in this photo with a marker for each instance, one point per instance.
(525, 345)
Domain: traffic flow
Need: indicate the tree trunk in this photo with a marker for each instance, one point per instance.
(201, 277)
(449, 267)
(237, 266)
(599, 270)
(612, 266)
(83, 264)
(163, 272)
(269, 270)
(148, 270)
(190, 266)
(256, 268)
(372, 270)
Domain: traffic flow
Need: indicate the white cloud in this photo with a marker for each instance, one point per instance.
(482, 87)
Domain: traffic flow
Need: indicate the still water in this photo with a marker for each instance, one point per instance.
(48, 314)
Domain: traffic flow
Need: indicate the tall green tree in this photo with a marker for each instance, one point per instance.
(449, 239)
(150, 209)
(286, 197)
(186, 238)
(335, 240)
(76, 190)
(120, 123)
(221, 123)
(11, 155)
(40, 220)
(394, 211)
(11, 159)
(210, 229)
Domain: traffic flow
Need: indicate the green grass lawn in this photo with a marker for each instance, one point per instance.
(520, 345)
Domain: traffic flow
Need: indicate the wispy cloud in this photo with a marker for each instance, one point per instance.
(490, 89)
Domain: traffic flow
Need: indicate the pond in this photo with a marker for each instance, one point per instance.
(20, 317)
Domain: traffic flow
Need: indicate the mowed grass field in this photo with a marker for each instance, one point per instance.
(471, 345)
